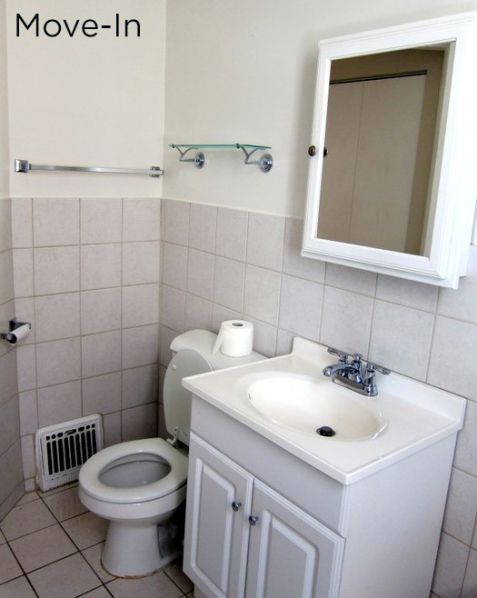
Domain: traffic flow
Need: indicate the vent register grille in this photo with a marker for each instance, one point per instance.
(62, 449)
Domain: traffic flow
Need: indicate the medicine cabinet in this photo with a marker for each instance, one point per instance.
(392, 178)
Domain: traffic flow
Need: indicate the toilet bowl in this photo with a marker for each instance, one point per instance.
(136, 485)
(140, 484)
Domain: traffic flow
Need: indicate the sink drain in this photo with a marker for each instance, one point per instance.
(325, 431)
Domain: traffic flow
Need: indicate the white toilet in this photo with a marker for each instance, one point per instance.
(138, 485)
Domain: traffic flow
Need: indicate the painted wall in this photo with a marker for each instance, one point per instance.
(87, 101)
(11, 474)
(245, 71)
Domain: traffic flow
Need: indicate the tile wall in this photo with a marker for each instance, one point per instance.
(219, 263)
(11, 475)
(86, 274)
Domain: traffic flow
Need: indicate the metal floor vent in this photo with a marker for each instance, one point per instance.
(63, 448)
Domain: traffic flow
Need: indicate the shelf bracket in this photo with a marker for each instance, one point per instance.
(265, 162)
(198, 159)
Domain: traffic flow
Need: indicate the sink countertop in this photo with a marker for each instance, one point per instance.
(418, 415)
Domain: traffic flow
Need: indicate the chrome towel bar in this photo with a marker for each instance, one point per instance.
(25, 166)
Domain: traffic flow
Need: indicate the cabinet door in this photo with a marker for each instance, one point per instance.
(290, 553)
(217, 528)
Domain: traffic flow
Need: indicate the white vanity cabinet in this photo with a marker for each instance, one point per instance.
(314, 536)
(245, 539)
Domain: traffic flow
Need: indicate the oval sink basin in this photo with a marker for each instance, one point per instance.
(306, 404)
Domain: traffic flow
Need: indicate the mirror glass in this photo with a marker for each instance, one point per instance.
(380, 138)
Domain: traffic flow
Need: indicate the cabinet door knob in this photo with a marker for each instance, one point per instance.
(236, 506)
(312, 150)
(253, 519)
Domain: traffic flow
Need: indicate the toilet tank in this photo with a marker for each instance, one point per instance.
(193, 354)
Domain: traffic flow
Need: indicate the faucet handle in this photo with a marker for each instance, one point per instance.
(374, 367)
(341, 354)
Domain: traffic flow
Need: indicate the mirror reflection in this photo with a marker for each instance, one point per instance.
(380, 137)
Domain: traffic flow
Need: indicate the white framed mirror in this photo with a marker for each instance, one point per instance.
(392, 179)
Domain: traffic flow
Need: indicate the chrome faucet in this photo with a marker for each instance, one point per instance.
(354, 372)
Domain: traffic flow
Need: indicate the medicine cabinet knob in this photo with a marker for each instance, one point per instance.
(253, 519)
(312, 151)
(236, 505)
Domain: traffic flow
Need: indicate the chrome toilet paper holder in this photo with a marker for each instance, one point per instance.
(13, 325)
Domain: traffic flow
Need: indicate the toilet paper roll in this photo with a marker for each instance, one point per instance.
(18, 334)
(235, 338)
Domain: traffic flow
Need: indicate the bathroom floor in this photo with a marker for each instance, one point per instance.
(50, 547)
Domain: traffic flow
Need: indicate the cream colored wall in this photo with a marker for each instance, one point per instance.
(81, 101)
(244, 71)
(3, 107)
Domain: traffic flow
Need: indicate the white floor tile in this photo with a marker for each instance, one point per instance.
(42, 547)
(67, 578)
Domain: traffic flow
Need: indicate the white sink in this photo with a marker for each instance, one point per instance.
(308, 404)
(285, 399)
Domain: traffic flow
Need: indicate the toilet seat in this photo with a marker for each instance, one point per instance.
(177, 476)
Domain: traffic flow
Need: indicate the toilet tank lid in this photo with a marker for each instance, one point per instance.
(203, 341)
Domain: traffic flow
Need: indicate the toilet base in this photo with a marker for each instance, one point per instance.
(133, 550)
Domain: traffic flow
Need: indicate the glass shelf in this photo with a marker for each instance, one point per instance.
(265, 162)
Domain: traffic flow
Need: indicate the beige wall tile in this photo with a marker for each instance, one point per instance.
(173, 307)
(28, 412)
(466, 449)
(293, 262)
(262, 294)
(58, 361)
(102, 394)
(9, 424)
(101, 220)
(139, 422)
(22, 222)
(232, 226)
(140, 305)
(100, 266)
(401, 339)
(26, 367)
(55, 221)
(101, 353)
(175, 217)
(450, 567)
(301, 306)
(112, 428)
(8, 376)
(140, 346)
(56, 270)
(200, 274)
(407, 292)
(22, 272)
(452, 364)
(141, 262)
(203, 225)
(100, 310)
(141, 219)
(140, 385)
(461, 304)
(229, 284)
(59, 403)
(198, 313)
(57, 316)
(351, 279)
(265, 240)
(461, 506)
(346, 322)
(174, 265)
